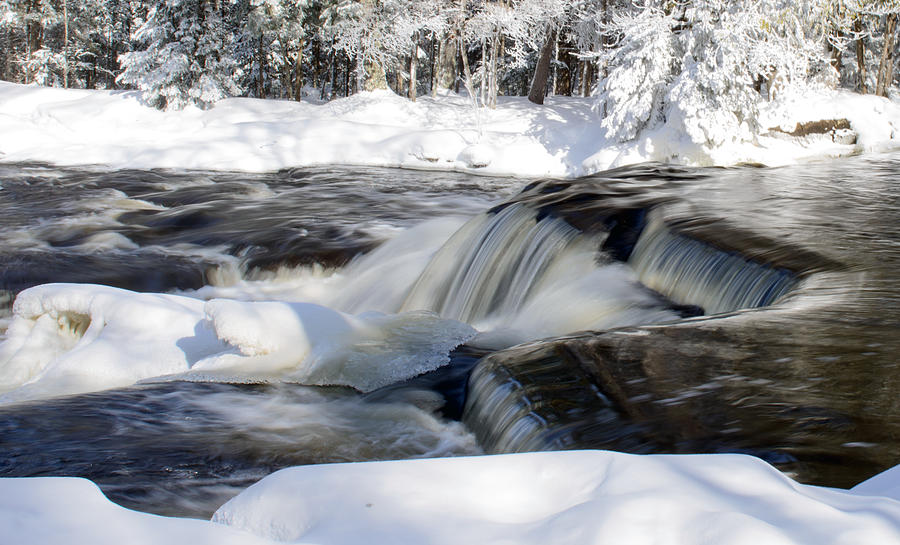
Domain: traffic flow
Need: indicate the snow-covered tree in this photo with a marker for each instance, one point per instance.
(371, 32)
(702, 67)
(270, 46)
(642, 65)
(186, 59)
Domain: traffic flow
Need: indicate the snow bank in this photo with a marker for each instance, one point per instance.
(562, 138)
(63, 510)
(576, 497)
(70, 338)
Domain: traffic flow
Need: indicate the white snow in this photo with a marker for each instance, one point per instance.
(576, 497)
(72, 338)
(562, 138)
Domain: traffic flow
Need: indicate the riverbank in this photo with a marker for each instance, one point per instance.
(564, 498)
(563, 138)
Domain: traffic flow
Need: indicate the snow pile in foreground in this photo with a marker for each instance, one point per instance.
(562, 138)
(71, 338)
(576, 497)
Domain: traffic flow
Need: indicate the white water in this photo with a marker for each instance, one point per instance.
(386, 317)
(510, 276)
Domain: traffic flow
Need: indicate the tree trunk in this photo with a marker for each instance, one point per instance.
(33, 32)
(329, 76)
(860, 56)
(587, 79)
(298, 73)
(554, 88)
(446, 64)
(373, 76)
(433, 50)
(495, 78)
(261, 68)
(542, 70)
(413, 63)
(485, 71)
(885, 74)
(347, 69)
(65, 44)
(467, 74)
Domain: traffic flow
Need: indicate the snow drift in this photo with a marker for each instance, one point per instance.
(577, 497)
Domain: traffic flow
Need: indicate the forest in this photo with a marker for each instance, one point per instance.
(715, 60)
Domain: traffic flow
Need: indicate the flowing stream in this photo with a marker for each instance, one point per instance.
(730, 310)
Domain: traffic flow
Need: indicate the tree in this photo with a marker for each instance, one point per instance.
(269, 46)
(374, 32)
(186, 57)
(695, 67)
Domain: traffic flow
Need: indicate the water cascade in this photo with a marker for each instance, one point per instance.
(689, 271)
(546, 398)
(491, 265)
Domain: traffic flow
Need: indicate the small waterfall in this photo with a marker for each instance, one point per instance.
(539, 397)
(533, 397)
(689, 271)
(492, 265)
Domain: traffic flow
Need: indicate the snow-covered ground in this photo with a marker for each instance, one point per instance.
(561, 498)
(562, 138)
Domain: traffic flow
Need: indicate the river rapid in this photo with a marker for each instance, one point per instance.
(808, 383)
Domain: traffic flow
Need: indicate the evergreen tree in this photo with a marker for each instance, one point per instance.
(186, 56)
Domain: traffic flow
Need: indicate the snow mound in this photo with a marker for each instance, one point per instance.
(312, 344)
(69, 338)
(576, 498)
(476, 156)
(56, 510)
(886, 484)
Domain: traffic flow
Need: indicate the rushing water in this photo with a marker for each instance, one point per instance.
(808, 384)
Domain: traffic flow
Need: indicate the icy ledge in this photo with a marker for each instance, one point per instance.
(563, 138)
(577, 498)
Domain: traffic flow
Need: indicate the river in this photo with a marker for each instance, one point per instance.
(806, 382)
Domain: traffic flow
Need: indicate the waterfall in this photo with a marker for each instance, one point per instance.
(689, 271)
(492, 265)
(521, 276)
(540, 398)
(540, 401)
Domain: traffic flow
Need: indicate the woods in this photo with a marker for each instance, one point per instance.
(634, 56)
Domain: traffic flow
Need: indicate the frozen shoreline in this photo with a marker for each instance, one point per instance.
(561, 139)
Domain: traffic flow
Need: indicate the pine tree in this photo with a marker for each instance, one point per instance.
(186, 59)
